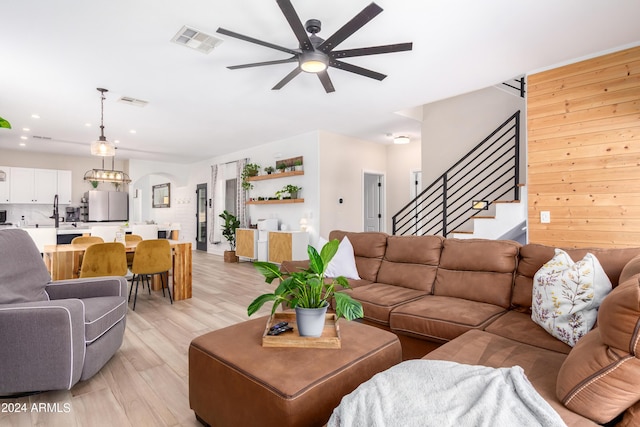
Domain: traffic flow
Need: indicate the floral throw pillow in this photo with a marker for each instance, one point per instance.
(567, 294)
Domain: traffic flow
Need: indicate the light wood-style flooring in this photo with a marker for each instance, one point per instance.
(146, 382)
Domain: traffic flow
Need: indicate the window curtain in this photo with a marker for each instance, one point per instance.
(215, 233)
(241, 199)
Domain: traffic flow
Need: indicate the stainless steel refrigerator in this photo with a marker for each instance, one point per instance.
(107, 205)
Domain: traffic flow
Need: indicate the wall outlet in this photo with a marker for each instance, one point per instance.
(545, 217)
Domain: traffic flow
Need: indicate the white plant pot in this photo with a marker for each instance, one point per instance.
(310, 321)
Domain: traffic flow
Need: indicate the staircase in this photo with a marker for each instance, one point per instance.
(487, 177)
(505, 219)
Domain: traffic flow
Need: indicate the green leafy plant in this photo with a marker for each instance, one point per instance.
(308, 288)
(4, 123)
(291, 190)
(94, 184)
(229, 228)
(269, 169)
(249, 170)
(281, 167)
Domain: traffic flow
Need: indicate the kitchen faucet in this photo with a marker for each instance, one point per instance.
(55, 215)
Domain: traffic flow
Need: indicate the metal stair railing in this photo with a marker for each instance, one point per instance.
(488, 172)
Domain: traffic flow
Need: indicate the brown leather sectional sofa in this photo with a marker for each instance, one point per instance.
(469, 301)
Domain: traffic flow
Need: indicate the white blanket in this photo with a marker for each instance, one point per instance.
(439, 393)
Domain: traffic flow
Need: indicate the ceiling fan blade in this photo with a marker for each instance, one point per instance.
(259, 64)
(357, 70)
(256, 41)
(357, 22)
(326, 81)
(375, 50)
(287, 78)
(295, 24)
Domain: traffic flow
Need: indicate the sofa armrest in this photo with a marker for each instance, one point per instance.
(110, 286)
(293, 266)
(42, 345)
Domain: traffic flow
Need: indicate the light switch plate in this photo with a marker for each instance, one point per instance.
(545, 217)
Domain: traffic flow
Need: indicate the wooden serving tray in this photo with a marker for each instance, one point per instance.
(330, 337)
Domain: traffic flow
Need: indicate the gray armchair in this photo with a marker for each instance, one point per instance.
(53, 334)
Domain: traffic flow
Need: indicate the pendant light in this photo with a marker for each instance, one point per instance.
(102, 147)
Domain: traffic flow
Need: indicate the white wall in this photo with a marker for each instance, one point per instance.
(305, 145)
(402, 161)
(452, 127)
(343, 161)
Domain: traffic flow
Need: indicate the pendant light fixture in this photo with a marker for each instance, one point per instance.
(102, 147)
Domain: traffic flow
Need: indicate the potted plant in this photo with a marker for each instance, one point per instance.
(269, 170)
(229, 227)
(94, 184)
(291, 190)
(249, 170)
(297, 165)
(281, 167)
(308, 291)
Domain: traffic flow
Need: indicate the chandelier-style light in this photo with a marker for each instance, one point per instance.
(102, 147)
(107, 175)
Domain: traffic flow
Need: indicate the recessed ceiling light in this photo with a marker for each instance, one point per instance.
(26, 129)
(132, 131)
(23, 137)
(401, 140)
(22, 144)
(195, 39)
(88, 125)
(35, 116)
(117, 141)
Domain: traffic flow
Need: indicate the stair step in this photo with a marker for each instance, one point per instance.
(462, 232)
(483, 217)
(506, 201)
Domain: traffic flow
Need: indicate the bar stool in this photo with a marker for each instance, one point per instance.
(104, 259)
(151, 257)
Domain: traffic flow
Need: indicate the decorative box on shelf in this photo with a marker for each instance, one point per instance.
(330, 337)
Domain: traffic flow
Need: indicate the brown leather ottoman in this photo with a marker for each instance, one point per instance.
(234, 381)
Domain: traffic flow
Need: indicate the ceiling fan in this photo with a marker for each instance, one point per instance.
(315, 54)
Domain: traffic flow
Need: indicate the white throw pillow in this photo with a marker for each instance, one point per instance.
(567, 294)
(344, 261)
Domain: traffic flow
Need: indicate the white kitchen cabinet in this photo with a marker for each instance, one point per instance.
(31, 186)
(5, 178)
(64, 187)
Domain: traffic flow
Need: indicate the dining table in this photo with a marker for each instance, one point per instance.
(63, 262)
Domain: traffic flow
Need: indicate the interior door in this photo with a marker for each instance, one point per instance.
(372, 202)
(201, 217)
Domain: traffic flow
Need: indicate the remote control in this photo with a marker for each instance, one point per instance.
(278, 326)
(280, 330)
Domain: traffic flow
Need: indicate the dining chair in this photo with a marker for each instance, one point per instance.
(84, 240)
(104, 259)
(107, 232)
(150, 258)
(129, 238)
(146, 231)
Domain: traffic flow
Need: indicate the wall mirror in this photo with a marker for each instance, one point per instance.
(162, 195)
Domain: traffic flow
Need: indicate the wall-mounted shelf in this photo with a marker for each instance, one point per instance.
(275, 175)
(274, 202)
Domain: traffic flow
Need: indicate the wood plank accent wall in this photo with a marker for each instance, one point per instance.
(583, 125)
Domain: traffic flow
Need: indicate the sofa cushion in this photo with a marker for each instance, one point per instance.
(519, 327)
(632, 268)
(100, 314)
(411, 261)
(23, 275)
(378, 299)
(533, 256)
(478, 270)
(368, 248)
(541, 366)
(343, 262)
(600, 377)
(442, 318)
(567, 294)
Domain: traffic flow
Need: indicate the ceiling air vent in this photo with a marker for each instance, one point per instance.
(48, 138)
(133, 101)
(195, 39)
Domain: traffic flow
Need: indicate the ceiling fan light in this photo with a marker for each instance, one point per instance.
(313, 62)
(401, 140)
